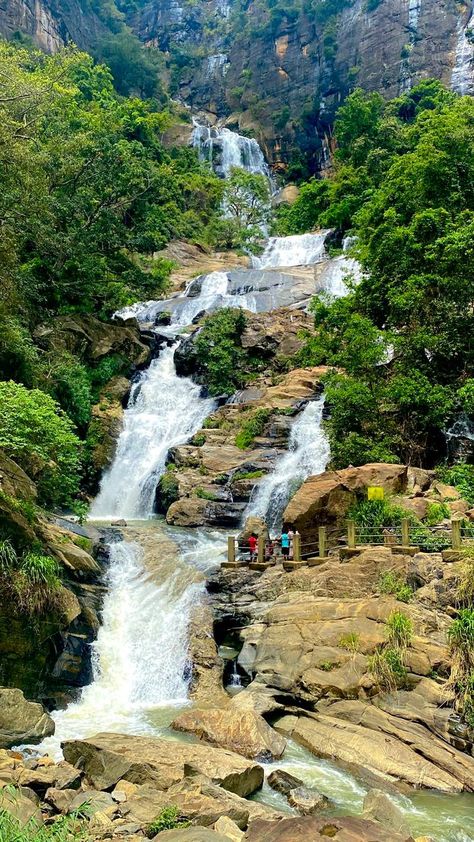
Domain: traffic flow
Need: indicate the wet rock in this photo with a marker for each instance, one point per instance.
(92, 339)
(22, 721)
(307, 800)
(107, 758)
(343, 829)
(188, 511)
(378, 807)
(244, 732)
(283, 782)
(119, 522)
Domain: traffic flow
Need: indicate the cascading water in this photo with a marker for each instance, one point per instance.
(462, 79)
(296, 250)
(164, 410)
(307, 455)
(225, 149)
(140, 655)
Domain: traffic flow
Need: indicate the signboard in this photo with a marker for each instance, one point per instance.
(375, 492)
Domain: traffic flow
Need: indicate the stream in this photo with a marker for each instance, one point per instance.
(157, 573)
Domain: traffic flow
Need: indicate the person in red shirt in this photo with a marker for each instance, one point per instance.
(252, 546)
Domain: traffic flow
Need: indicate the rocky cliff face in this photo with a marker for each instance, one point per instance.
(279, 73)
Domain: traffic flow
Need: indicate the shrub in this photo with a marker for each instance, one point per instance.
(436, 513)
(62, 829)
(386, 665)
(462, 477)
(37, 434)
(219, 353)
(350, 641)
(391, 583)
(198, 440)
(251, 428)
(168, 819)
(247, 475)
(461, 643)
(31, 581)
(400, 630)
(205, 495)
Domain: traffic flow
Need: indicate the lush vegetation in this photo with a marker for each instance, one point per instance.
(168, 819)
(403, 184)
(252, 426)
(31, 580)
(374, 518)
(461, 641)
(88, 196)
(387, 664)
(63, 829)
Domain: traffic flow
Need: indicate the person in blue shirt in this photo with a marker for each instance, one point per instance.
(285, 543)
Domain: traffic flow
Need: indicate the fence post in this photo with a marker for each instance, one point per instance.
(405, 532)
(231, 549)
(456, 540)
(261, 549)
(351, 534)
(297, 547)
(322, 542)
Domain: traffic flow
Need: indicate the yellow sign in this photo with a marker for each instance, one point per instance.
(375, 492)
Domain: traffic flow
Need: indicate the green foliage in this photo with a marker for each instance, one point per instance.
(436, 513)
(204, 494)
(198, 440)
(350, 641)
(461, 642)
(247, 475)
(62, 829)
(168, 490)
(31, 580)
(461, 476)
(247, 203)
(387, 666)
(168, 819)
(391, 582)
(251, 428)
(400, 630)
(372, 515)
(39, 436)
(402, 183)
(219, 352)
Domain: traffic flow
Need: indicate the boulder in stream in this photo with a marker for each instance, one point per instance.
(107, 758)
(242, 731)
(22, 721)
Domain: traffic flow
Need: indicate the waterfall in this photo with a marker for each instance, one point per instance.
(164, 410)
(225, 149)
(462, 79)
(336, 271)
(296, 250)
(140, 658)
(307, 455)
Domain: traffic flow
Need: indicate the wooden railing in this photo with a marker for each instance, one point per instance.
(404, 537)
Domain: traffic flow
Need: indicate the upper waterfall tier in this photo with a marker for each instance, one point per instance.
(289, 272)
(225, 149)
(462, 78)
(164, 410)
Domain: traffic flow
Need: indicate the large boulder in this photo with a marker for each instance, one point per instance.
(197, 799)
(378, 807)
(22, 808)
(13, 480)
(192, 834)
(22, 721)
(92, 339)
(326, 498)
(189, 511)
(107, 758)
(244, 732)
(343, 829)
(387, 750)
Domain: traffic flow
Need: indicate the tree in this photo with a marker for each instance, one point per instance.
(246, 203)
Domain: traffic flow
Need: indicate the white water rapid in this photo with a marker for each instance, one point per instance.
(296, 250)
(140, 660)
(164, 410)
(225, 149)
(307, 455)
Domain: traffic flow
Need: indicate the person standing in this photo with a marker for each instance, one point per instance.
(252, 546)
(285, 543)
(291, 535)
